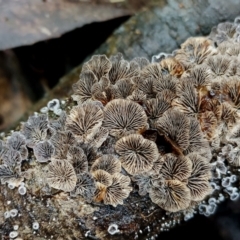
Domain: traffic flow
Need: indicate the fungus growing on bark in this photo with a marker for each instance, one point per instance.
(208, 123)
(82, 88)
(43, 151)
(59, 124)
(172, 195)
(175, 126)
(85, 187)
(197, 142)
(200, 76)
(108, 163)
(155, 107)
(61, 175)
(194, 51)
(142, 62)
(122, 68)
(122, 117)
(153, 71)
(36, 130)
(144, 182)
(145, 85)
(176, 168)
(164, 83)
(122, 89)
(118, 190)
(61, 142)
(231, 87)
(12, 159)
(17, 142)
(229, 114)
(136, 153)
(187, 100)
(99, 65)
(101, 90)
(198, 181)
(78, 159)
(171, 66)
(7, 175)
(84, 120)
(102, 177)
(219, 65)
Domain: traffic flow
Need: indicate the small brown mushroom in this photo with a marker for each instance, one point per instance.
(61, 175)
(122, 117)
(172, 195)
(108, 163)
(175, 127)
(100, 65)
(136, 153)
(176, 168)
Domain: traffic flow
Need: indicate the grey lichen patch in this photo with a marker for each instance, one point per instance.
(143, 147)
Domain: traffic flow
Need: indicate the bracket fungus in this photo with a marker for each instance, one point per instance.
(163, 137)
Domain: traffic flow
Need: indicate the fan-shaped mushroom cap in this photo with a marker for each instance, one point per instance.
(78, 159)
(198, 181)
(234, 157)
(194, 51)
(197, 143)
(200, 76)
(12, 158)
(137, 96)
(231, 87)
(234, 135)
(8, 176)
(61, 142)
(85, 187)
(108, 163)
(122, 117)
(35, 129)
(187, 100)
(229, 114)
(99, 65)
(84, 120)
(175, 127)
(145, 181)
(118, 191)
(172, 195)
(219, 65)
(101, 90)
(59, 124)
(43, 151)
(165, 83)
(82, 88)
(122, 68)
(157, 165)
(122, 89)
(142, 62)
(146, 86)
(176, 168)
(155, 107)
(136, 153)
(102, 177)
(171, 66)
(98, 138)
(153, 71)
(208, 123)
(61, 175)
(201, 167)
(17, 142)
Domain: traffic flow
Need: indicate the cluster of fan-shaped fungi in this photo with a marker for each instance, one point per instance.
(150, 125)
